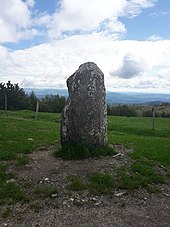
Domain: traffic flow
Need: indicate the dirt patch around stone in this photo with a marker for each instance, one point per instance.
(64, 207)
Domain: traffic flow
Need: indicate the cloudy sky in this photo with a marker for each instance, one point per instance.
(42, 42)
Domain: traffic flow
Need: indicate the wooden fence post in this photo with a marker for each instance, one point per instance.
(153, 118)
(6, 105)
(37, 108)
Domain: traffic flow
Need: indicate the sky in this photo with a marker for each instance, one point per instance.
(43, 42)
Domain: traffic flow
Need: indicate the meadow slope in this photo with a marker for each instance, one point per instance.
(34, 183)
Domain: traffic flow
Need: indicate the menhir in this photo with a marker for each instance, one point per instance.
(84, 118)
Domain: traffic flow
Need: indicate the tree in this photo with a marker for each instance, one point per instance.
(122, 110)
(16, 97)
(52, 103)
(32, 101)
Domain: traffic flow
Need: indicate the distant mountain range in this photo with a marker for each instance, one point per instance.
(41, 92)
(136, 98)
(112, 97)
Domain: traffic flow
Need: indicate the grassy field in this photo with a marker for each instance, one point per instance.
(137, 133)
(21, 134)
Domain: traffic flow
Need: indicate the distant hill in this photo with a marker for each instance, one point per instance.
(112, 97)
(41, 92)
(136, 98)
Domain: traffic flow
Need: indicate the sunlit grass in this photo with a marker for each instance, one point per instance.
(21, 134)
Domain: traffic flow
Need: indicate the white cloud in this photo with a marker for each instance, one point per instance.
(154, 38)
(49, 65)
(89, 16)
(158, 14)
(43, 19)
(6, 60)
(83, 15)
(131, 67)
(15, 20)
(134, 7)
(18, 17)
(127, 65)
(30, 3)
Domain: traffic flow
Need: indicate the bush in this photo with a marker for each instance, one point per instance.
(80, 151)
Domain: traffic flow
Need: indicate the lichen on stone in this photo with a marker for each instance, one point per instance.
(84, 119)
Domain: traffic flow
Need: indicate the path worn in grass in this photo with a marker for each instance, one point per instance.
(46, 180)
(37, 189)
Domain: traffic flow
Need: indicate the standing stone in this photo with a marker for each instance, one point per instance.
(84, 118)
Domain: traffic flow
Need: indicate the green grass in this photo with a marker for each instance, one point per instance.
(150, 148)
(76, 184)
(20, 134)
(45, 191)
(137, 133)
(79, 151)
(11, 193)
(130, 178)
(137, 176)
(96, 183)
(101, 183)
(2, 173)
(22, 160)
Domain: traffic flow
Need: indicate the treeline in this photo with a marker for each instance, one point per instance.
(17, 99)
(121, 110)
(161, 110)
